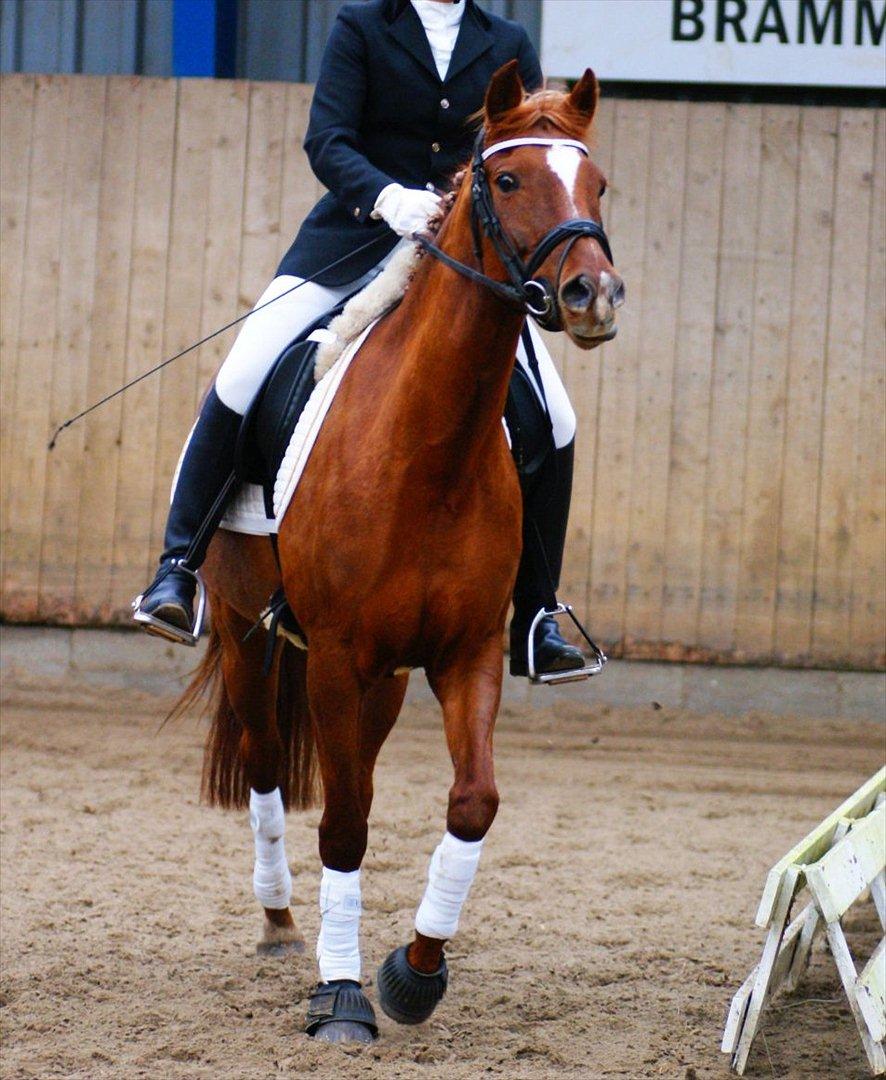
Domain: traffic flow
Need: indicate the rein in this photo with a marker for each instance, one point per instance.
(536, 296)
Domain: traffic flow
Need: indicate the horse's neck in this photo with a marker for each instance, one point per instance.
(455, 369)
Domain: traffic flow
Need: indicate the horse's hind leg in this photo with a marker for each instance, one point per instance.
(413, 979)
(253, 699)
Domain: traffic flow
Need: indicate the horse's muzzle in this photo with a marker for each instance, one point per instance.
(588, 307)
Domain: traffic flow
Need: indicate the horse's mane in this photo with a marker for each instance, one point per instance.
(545, 110)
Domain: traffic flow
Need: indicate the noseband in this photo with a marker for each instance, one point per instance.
(536, 296)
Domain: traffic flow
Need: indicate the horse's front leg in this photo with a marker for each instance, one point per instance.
(351, 723)
(413, 979)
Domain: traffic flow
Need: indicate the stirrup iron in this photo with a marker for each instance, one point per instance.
(598, 657)
(171, 633)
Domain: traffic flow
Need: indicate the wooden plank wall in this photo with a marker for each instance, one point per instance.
(730, 495)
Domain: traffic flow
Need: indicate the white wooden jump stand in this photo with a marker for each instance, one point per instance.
(839, 861)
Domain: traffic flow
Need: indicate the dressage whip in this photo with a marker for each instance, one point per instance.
(209, 337)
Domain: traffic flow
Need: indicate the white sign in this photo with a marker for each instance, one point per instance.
(763, 42)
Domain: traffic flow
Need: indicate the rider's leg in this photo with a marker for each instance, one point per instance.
(198, 500)
(545, 508)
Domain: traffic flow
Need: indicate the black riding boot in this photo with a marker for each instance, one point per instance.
(545, 504)
(201, 495)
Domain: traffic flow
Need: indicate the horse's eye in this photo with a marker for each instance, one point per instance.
(507, 182)
(602, 190)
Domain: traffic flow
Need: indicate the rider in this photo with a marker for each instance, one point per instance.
(389, 125)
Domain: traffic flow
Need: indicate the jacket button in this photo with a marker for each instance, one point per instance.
(435, 146)
(356, 211)
(429, 185)
(444, 104)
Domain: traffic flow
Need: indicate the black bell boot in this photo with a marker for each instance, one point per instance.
(545, 505)
(202, 492)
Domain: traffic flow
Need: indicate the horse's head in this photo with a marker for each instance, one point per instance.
(544, 190)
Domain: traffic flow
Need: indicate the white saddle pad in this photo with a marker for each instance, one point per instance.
(246, 513)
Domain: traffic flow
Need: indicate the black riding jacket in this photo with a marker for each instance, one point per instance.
(381, 114)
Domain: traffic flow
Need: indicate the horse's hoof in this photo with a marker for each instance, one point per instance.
(279, 948)
(279, 940)
(406, 995)
(344, 1031)
(339, 1012)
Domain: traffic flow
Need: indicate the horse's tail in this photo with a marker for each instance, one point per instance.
(224, 782)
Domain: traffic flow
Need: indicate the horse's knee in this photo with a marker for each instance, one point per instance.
(472, 808)
(343, 837)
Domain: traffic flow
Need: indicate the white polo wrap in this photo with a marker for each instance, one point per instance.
(450, 876)
(338, 944)
(271, 879)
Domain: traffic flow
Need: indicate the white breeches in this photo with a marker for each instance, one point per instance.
(266, 334)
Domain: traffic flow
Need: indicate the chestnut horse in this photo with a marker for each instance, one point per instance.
(400, 550)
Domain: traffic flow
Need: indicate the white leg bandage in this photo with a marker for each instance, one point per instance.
(338, 945)
(271, 879)
(450, 876)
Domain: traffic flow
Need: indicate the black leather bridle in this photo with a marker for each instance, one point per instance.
(538, 297)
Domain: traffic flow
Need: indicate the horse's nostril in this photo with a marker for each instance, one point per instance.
(578, 294)
(617, 293)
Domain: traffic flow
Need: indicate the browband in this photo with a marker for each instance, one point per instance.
(508, 144)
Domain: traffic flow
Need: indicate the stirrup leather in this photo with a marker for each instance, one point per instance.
(156, 626)
(598, 661)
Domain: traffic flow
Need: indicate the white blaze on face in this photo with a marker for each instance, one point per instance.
(564, 162)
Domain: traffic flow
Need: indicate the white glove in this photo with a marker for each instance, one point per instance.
(406, 210)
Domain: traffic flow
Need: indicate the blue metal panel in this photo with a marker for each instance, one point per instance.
(156, 58)
(97, 37)
(10, 25)
(109, 34)
(193, 37)
(271, 41)
(204, 37)
(40, 37)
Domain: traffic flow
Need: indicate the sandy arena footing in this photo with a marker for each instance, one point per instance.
(610, 922)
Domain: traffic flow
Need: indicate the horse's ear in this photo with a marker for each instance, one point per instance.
(584, 94)
(505, 91)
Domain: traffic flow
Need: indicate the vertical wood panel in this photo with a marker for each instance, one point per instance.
(184, 289)
(730, 378)
(691, 395)
(224, 225)
(17, 110)
(26, 467)
(758, 562)
(264, 184)
(816, 194)
(298, 188)
(107, 352)
(843, 376)
(83, 156)
(665, 212)
(615, 435)
(147, 293)
(868, 614)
